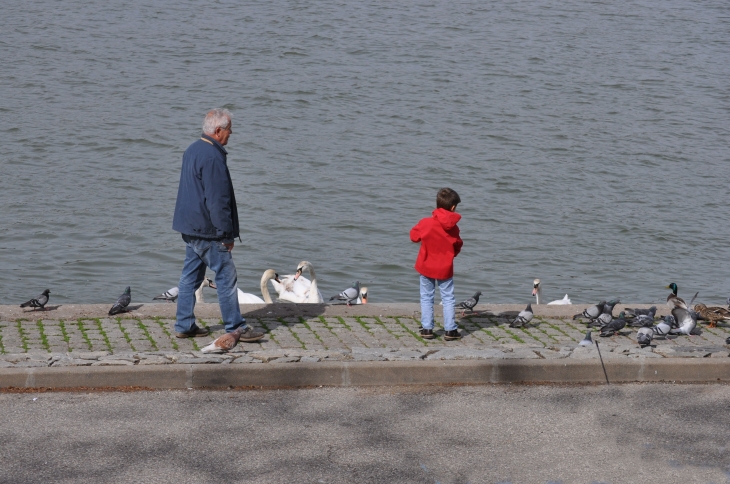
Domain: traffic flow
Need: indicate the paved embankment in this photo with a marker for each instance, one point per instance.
(374, 344)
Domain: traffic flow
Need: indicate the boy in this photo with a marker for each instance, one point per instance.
(440, 243)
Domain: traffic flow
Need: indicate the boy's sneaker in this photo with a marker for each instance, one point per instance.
(452, 335)
(426, 333)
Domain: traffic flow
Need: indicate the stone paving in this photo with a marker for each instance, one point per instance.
(149, 340)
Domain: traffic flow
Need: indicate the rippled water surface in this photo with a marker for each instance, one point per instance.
(588, 142)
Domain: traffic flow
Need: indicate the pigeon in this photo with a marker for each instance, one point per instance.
(592, 312)
(224, 343)
(350, 294)
(469, 303)
(614, 326)
(587, 341)
(523, 318)
(169, 295)
(664, 326)
(640, 320)
(604, 318)
(634, 312)
(121, 305)
(727, 341)
(645, 334)
(686, 319)
(38, 302)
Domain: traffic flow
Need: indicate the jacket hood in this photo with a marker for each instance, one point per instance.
(447, 219)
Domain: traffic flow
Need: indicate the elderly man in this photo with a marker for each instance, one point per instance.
(207, 218)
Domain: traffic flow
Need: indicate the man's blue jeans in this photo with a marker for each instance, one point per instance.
(446, 287)
(199, 254)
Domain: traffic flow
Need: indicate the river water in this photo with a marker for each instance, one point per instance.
(587, 140)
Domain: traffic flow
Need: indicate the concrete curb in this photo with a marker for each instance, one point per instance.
(371, 373)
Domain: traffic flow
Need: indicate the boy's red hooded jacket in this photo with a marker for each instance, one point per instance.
(440, 243)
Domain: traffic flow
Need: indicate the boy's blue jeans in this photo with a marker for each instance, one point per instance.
(446, 287)
(200, 253)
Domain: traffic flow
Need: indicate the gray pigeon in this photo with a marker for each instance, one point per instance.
(727, 341)
(641, 319)
(604, 318)
(592, 312)
(634, 312)
(169, 295)
(469, 304)
(587, 341)
(350, 294)
(121, 305)
(614, 326)
(664, 326)
(645, 334)
(523, 318)
(38, 302)
(686, 319)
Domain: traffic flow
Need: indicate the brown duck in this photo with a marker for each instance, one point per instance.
(713, 314)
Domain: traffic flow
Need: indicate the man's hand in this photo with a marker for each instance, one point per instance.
(229, 246)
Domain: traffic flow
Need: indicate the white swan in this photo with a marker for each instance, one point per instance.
(247, 298)
(537, 292)
(363, 298)
(207, 282)
(297, 288)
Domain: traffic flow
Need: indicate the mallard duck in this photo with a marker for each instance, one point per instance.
(713, 314)
(674, 301)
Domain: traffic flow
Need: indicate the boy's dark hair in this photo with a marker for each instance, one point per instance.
(447, 198)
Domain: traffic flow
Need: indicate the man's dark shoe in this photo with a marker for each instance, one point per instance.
(197, 332)
(426, 333)
(251, 335)
(452, 335)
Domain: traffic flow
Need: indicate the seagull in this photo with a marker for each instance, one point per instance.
(664, 326)
(469, 304)
(39, 302)
(686, 319)
(587, 341)
(350, 294)
(121, 305)
(645, 334)
(224, 343)
(614, 326)
(169, 295)
(523, 318)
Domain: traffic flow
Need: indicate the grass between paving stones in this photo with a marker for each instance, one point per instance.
(514, 336)
(82, 330)
(377, 320)
(146, 334)
(411, 332)
(125, 334)
(326, 325)
(524, 330)
(559, 330)
(44, 339)
(268, 331)
(572, 326)
(2, 347)
(23, 336)
(103, 335)
(167, 332)
(342, 321)
(293, 333)
(306, 325)
(490, 334)
(62, 325)
(545, 332)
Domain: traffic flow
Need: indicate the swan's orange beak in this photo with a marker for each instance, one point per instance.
(534, 291)
(364, 298)
(298, 273)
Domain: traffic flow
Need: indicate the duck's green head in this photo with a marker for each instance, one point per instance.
(673, 287)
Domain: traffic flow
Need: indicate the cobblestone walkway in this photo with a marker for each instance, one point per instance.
(128, 341)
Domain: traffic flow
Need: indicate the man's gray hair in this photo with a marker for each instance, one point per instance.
(216, 118)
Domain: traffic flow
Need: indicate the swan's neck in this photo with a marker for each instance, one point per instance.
(199, 294)
(265, 289)
(313, 290)
(538, 295)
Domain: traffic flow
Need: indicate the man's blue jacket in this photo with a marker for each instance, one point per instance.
(206, 204)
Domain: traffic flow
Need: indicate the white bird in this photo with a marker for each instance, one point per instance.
(297, 288)
(224, 342)
(537, 292)
(173, 293)
(247, 298)
(363, 299)
(207, 282)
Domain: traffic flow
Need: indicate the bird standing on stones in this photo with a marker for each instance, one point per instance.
(591, 312)
(170, 295)
(523, 318)
(686, 319)
(121, 305)
(675, 301)
(349, 295)
(645, 334)
(224, 343)
(614, 326)
(713, 314)
(587, 341)
(39, 302)
(469, 304)
(635, 312)
(664, 326)
(639, 320)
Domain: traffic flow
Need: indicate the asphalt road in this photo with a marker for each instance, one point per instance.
(614, 434)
